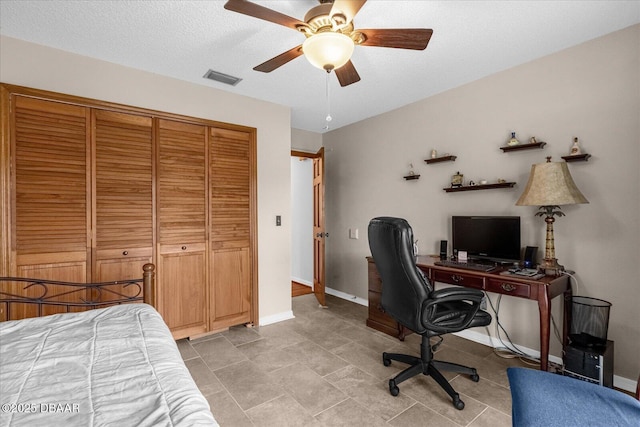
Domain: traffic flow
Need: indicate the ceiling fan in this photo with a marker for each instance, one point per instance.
(331, 36)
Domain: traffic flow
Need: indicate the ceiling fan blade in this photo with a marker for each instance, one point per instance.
(401, 38)
(261, 12)
(347, 74)
(280, 60)
(348, 8)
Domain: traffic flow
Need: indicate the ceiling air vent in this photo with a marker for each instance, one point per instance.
(222, 78)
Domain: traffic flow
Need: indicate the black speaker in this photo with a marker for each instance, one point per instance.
(530, 257)
(443, 249)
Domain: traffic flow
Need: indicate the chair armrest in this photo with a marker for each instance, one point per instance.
(456, 294)
(468, 305)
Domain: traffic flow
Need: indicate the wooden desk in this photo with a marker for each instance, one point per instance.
(542, 290)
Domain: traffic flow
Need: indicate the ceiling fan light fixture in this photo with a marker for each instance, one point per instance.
(328, 50)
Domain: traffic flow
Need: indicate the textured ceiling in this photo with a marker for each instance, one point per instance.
(183, 39)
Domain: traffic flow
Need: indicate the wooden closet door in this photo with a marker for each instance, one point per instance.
(232, 178)
(182, 206)
(123, 195)
(51, 196)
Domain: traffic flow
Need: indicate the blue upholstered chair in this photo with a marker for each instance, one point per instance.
(544, 399)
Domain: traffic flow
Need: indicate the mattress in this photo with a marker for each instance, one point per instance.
(113, 366)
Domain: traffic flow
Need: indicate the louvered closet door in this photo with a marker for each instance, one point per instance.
(232, 194)
(50, 178)
(123, 195)
(182, 206)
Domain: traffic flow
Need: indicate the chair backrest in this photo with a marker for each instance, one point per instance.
(404, 287)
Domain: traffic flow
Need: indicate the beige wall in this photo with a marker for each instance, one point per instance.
(591, 91)
(31, 65)
(303, 140)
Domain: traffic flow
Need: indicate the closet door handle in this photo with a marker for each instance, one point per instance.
(184, 248)
(125, 253)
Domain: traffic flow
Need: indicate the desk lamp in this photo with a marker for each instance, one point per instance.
(550, 186)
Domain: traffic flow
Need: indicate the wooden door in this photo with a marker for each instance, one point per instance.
(182, 206)
(123, 195)
(232, 194)
(319, 233)
(50, 178)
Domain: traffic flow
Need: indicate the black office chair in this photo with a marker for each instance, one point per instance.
(408, 297)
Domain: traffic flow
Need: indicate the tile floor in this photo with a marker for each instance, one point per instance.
(324, 368)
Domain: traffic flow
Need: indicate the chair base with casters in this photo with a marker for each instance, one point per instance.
(427, 366)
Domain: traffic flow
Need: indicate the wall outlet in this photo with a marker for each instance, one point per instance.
(353, 233)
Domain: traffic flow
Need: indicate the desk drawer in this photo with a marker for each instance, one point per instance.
(507, 287)
(456, 278)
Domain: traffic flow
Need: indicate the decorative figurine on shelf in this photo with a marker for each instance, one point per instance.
(533, 140)
(513, 140)
(411, 171)
(456, 180)
(575, 148)
(434, 154)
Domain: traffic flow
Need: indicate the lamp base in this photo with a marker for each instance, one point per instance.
(550, 267)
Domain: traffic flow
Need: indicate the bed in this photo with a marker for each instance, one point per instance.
(544, 399)
(104, 361)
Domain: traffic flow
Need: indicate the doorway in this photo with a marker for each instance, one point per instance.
(308, 228)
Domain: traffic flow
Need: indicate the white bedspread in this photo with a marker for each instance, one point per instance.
(116, 366)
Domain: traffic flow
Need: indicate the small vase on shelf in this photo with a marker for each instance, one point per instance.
(575, 148)
(456, 180)
(513, 140)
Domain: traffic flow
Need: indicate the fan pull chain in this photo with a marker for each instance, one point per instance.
(328, 118)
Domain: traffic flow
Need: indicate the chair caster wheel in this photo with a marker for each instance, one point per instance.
(393, 388)
(458, 404)
(385, 360)
(475, 378)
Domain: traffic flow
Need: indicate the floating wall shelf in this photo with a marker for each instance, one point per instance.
(577, 158)
(410, 177)
(479, 187)
(441, 159)
(507, 148)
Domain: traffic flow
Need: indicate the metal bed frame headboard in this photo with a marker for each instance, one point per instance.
(89, 295)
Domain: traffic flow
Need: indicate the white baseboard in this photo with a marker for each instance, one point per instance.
(347, 297)
(495, 343)
(275, 318)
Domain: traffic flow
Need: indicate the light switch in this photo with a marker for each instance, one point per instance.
(353, 233)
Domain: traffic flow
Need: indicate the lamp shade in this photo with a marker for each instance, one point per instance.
(550, 184)
(328, 50)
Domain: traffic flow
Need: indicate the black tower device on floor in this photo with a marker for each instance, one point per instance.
(593, 364)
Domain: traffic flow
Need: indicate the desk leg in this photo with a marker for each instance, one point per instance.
(544, 305)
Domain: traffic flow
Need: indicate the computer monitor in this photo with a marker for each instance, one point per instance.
(490, 238)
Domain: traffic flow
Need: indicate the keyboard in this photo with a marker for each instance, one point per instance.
(466, 265)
